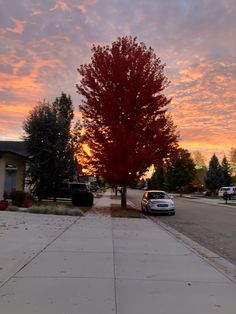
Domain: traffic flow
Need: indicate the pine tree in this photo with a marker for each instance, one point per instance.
(226, 172)
(214, 178)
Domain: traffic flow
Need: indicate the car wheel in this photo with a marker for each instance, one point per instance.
(146, 211)
(172, 214)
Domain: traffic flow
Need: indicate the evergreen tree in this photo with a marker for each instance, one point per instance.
(157, 180)
(226, 172)
(214, 178)
(50, 145)
(180, 170)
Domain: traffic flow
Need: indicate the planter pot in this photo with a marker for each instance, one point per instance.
(27, 203)
(3, 205)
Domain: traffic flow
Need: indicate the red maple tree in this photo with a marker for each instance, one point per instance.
(124, 111)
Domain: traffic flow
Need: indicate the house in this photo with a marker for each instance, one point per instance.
(13, 158)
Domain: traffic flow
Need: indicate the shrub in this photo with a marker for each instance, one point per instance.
(21, 198)
(6, 195)
(27, 203)
(12, 208)
(18, 198)
(54, 210)
(82, 198)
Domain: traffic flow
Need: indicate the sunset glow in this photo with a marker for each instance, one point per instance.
(44, 42)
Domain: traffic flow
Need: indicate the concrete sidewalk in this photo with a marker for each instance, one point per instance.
(103, 265)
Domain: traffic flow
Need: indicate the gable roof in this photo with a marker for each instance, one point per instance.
(14, 147)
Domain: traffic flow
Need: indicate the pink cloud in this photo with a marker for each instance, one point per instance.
(18, 27)
(43, 44)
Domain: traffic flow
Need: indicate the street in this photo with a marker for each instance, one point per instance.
(212, 226)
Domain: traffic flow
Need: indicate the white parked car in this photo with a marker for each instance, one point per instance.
(157, 201)
(230, 190)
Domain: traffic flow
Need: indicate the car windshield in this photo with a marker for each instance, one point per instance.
(157, 195)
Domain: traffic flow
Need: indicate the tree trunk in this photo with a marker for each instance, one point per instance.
(124, 197)
(55, 189)
(39, 196)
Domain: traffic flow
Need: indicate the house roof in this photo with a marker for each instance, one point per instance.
(14, 147)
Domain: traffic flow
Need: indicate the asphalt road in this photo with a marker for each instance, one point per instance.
(212, 226)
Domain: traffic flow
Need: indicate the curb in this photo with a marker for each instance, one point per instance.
(221, 264)
(216, 202)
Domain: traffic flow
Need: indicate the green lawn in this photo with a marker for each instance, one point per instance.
(228, 203)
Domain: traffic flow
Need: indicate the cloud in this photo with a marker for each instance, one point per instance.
(5, 68)
(44, 42)
(60, 5)
(18, 27)
(203, 103)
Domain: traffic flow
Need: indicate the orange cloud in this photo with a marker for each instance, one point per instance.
(203, 104)
(192, 74)
(84, 4)
(60, 5)
(40, 52)
(13, 114)
(19, 26)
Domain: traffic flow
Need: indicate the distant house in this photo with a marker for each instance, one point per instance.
(13, 158)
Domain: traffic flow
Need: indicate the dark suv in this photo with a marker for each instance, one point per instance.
(67, 188)
(78, 186)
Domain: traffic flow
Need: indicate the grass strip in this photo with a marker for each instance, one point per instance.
(52, 209)
(115, 197)
(119, 212)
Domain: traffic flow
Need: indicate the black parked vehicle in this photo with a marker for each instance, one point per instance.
(67, 189)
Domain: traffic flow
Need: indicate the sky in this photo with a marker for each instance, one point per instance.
(42, 43)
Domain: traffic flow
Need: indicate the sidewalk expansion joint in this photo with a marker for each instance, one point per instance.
(219, 263)
(37, 254)
(114, 268)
